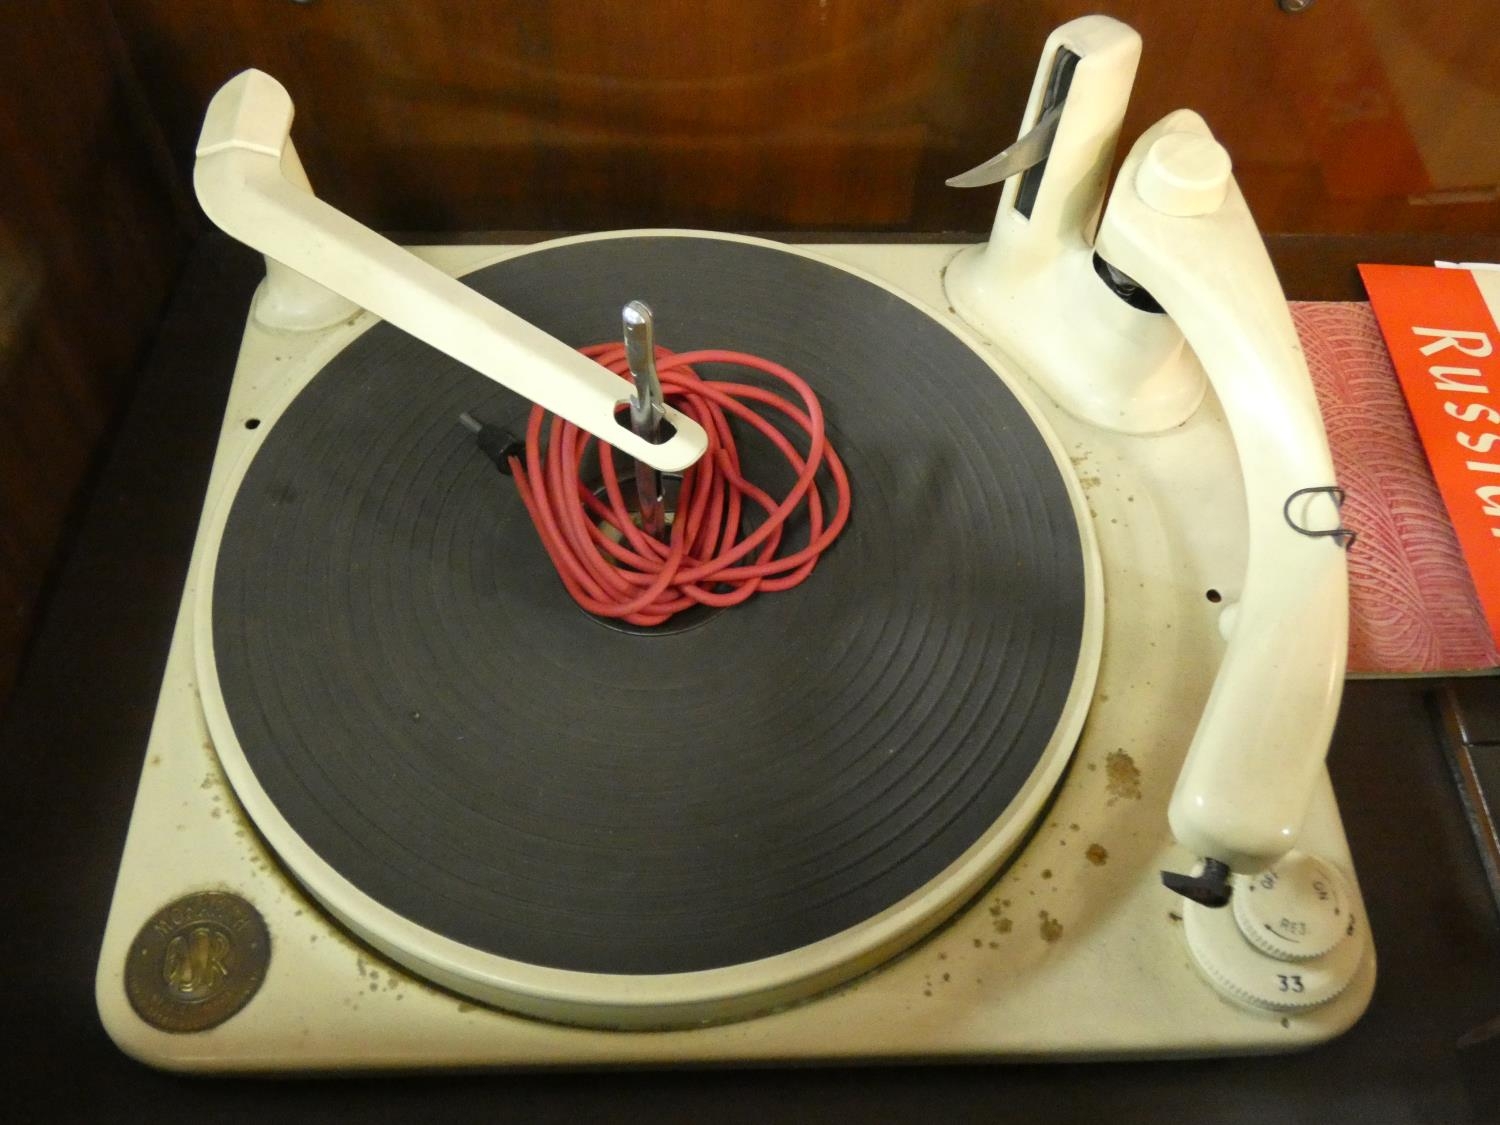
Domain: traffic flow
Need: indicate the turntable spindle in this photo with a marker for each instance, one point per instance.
(614, 554)
(646, 409)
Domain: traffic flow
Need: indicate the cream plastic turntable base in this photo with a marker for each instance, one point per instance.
(1076, 951)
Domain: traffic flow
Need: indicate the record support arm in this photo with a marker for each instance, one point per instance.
(322, 266)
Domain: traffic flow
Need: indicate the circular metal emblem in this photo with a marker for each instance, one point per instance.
(197, 961)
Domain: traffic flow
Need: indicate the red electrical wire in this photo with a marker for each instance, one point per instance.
(706, 561)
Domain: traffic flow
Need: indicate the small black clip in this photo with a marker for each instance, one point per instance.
(495, 442)
(1340, 535)
(1210, 887)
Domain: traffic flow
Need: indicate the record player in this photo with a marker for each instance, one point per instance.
(1029, 767)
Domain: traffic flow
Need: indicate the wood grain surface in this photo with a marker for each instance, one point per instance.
(847, 114)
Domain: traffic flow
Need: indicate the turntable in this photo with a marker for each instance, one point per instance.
(1029, 766)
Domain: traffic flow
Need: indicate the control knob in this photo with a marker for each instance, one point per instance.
(1291, 940)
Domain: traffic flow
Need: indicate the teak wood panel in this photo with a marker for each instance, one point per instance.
(1354, 115)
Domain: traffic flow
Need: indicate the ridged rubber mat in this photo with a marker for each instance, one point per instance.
(430, 711)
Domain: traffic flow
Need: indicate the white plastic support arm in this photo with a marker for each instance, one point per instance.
(249, 182)
(1177, 224)
(1032, 287)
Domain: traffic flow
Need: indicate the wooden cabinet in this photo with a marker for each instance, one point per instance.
(1352, 115)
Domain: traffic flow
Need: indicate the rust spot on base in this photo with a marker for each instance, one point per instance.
(1051, 928)
(1097, 854)
(1124, 778)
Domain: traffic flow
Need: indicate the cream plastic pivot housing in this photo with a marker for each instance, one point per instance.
(321, 264)
(1178, 228)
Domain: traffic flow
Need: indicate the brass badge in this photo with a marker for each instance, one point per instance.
(197, 961)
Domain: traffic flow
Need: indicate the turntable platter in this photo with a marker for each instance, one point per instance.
(544, 810)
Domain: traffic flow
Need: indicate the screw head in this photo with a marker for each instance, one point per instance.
(1294, 6)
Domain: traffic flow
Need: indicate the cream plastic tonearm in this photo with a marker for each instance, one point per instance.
(322, 265)
(1120, 330)
(1178, 226)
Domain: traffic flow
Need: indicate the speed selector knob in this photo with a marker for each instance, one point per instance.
(1292, 940)
(1296, 910)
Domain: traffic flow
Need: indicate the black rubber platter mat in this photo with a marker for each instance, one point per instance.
(427, 708)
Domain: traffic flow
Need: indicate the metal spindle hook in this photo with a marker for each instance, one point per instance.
(647, 408)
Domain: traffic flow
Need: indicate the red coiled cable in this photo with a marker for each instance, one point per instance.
(613, 569)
